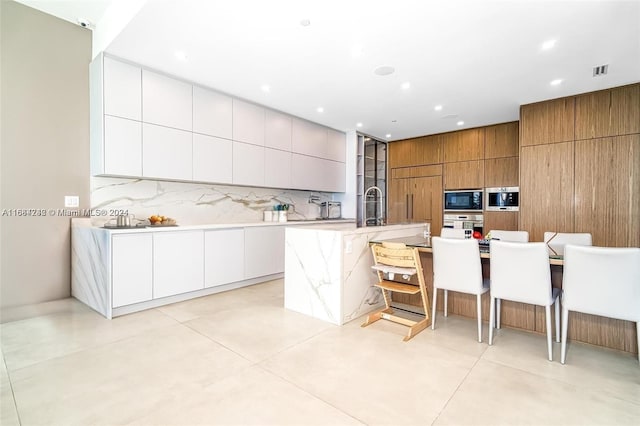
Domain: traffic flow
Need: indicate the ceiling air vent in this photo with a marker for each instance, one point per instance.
(600, 70)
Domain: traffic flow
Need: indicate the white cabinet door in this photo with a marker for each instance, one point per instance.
(223, 256)
(334, 173)
(122, 89)
(248, 164)
(277, 130)
(166, 101)
(122, 146)
(178, 262)
(131, 269)
(307, 172)
(248, 122)
(309, 138)
(277, 168)
(166, 153)
(212, 159)
(336, 145)
(212, 113)
(264, 251)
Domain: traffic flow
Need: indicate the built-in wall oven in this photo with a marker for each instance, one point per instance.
(469, 200)
(502, 199)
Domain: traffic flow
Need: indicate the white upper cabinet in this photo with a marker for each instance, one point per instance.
(166, 101)
(309, 138)
(336, 145)
(335, 179)
(307, 172)
(248, 122)
(122, 146)
(122, 89)
(166, 153)
(277, 169)
(212, 159)
(277, 132)
(248, 164)
(212, 113)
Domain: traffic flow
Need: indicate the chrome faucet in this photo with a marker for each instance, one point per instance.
(380, 219)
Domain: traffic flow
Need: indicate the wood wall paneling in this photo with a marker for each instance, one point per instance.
(546, 189)
(407, 172)
(429, 150)
(400, 153)
(501, 172)
(506, 221)
(501, 140)
(416, 151)
(463, 145)
(547, 122)
(608, 113)
(607, 190)
(464, 175)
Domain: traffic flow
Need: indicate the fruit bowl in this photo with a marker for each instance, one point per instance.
(158, 220)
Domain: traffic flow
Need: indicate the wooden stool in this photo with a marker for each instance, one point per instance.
(397, 259)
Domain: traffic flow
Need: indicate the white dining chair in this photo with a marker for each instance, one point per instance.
(557, 240)
(456, 267)
(601, 281)
(457, 233)
(513, 236)
(521, 273)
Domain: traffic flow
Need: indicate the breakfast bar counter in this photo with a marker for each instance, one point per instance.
(596, 330)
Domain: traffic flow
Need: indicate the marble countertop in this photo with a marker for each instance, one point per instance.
(86, 223)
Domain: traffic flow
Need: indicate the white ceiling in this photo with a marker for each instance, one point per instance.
(480, 60)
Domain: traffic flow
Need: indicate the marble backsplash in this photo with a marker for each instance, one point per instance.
(197, 203)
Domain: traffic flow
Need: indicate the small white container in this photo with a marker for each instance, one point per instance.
(282, 216)
(267, 215)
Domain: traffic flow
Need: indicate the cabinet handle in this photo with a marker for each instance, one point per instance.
(406, 204)
(411, 206)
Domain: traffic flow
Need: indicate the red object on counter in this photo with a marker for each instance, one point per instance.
(477, 235)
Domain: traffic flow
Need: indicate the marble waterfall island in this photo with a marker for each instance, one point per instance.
(328, 269)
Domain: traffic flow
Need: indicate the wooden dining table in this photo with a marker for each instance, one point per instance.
(601, 331)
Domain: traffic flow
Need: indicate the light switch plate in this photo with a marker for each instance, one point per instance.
(71, 201)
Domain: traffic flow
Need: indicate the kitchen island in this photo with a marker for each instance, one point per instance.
(328, 269)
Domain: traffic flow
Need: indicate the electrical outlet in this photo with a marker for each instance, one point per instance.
(71, 201)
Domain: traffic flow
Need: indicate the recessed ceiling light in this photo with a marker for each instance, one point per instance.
(549, 44)
(460, 123)
(384, 70)
(320, 109)
(85, 23)
(358, 124)
(305, 22)
(180, 55)
(556, 82)
(265, 88)
(438, 107)
(406, 85)
(388, 135)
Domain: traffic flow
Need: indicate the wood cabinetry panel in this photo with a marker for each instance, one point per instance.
(607, 178)
(501, 172)
(416, 151)
(464, 145)
(406, 172)
(506, 221)
(464, 175)
(546, 189)
(547, 122)
(608, 113)
(501, 140)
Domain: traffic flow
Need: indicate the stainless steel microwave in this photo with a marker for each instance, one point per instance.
(502, 199)
(469, 200)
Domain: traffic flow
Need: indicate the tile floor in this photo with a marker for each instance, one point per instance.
(240, 358)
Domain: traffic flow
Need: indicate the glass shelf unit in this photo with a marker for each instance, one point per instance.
(371, 172)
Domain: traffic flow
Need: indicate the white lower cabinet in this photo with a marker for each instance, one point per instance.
(178, 262)
(264, 251)
(131, 269)
(223, 256)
